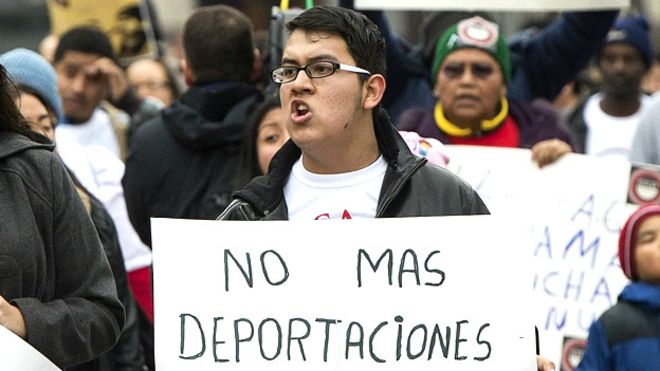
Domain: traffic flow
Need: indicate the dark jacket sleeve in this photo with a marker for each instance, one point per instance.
(127, 354)
(136, 190)
(545, 63)
(85, 318)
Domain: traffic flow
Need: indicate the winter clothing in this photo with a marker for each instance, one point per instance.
(127, 354)
(628, 239)
(53, 267)
(541, 65)
(183, 161)
(627, 336)
(477, 33)
(535, 121)
(31, 70)
(411, 187)
(633, 30)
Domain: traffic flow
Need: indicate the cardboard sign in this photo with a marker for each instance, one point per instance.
(379, 294)
(126, 23)
(17, 355)
(500, 5)
(575, 209)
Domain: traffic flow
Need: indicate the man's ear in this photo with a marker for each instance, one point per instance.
(256, 66)
(188, 75)
(374, 88)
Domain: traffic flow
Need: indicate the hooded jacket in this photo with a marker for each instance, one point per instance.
(52, 266)
(627, 336)
(182, 162)
(411, 187)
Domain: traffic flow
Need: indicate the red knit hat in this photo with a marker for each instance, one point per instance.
(628, 239)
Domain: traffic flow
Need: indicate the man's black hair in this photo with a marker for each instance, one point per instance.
(85, 39)
(365, 42)
(219, 44)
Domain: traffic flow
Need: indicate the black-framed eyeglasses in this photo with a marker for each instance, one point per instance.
(314, 70)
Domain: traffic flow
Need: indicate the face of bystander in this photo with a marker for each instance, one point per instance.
(149, 79)
(81, 86)
(622, 68)
(271, 136)
(470, 85)
(647, 250)
(37, 115)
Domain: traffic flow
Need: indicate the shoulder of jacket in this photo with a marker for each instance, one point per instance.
(626, 321)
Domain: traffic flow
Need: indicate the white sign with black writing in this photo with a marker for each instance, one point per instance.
(382, 294)
(500, 5)
(575, 209)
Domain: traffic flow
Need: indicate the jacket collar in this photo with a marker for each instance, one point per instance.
(12, 143)
(265, 193)
(644, 294)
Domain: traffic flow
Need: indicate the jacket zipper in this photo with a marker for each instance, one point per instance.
(395, 192)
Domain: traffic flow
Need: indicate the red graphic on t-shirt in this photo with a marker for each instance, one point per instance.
(326, 216)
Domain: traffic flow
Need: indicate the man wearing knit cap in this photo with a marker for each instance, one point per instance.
(471, 70)
(605, 123)
(626, 337)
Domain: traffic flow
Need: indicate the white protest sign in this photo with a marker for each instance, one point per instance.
(17, 355)
(575, 209)
(382, 294)
(500, 5)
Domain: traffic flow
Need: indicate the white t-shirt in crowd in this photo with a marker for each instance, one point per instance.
(352, 195)
(97, 131)
(100, 172)
(610, 136)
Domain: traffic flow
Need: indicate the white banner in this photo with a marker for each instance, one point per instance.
(575, 208)
(386, 294)
(499, 5)
(17, 355)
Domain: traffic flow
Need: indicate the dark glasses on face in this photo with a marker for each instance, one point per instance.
(479, 70)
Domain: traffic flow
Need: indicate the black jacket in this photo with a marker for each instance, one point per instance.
(182, 162)
(412, 187)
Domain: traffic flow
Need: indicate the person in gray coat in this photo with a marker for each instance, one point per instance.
(56, 288)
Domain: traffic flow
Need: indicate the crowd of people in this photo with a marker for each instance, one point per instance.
(94, 147)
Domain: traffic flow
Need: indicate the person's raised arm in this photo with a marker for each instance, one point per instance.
(544, 63)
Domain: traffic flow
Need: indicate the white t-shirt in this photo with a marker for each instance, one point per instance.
(609, 135)
(352, 195)
(97, 131)
(100, 172)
